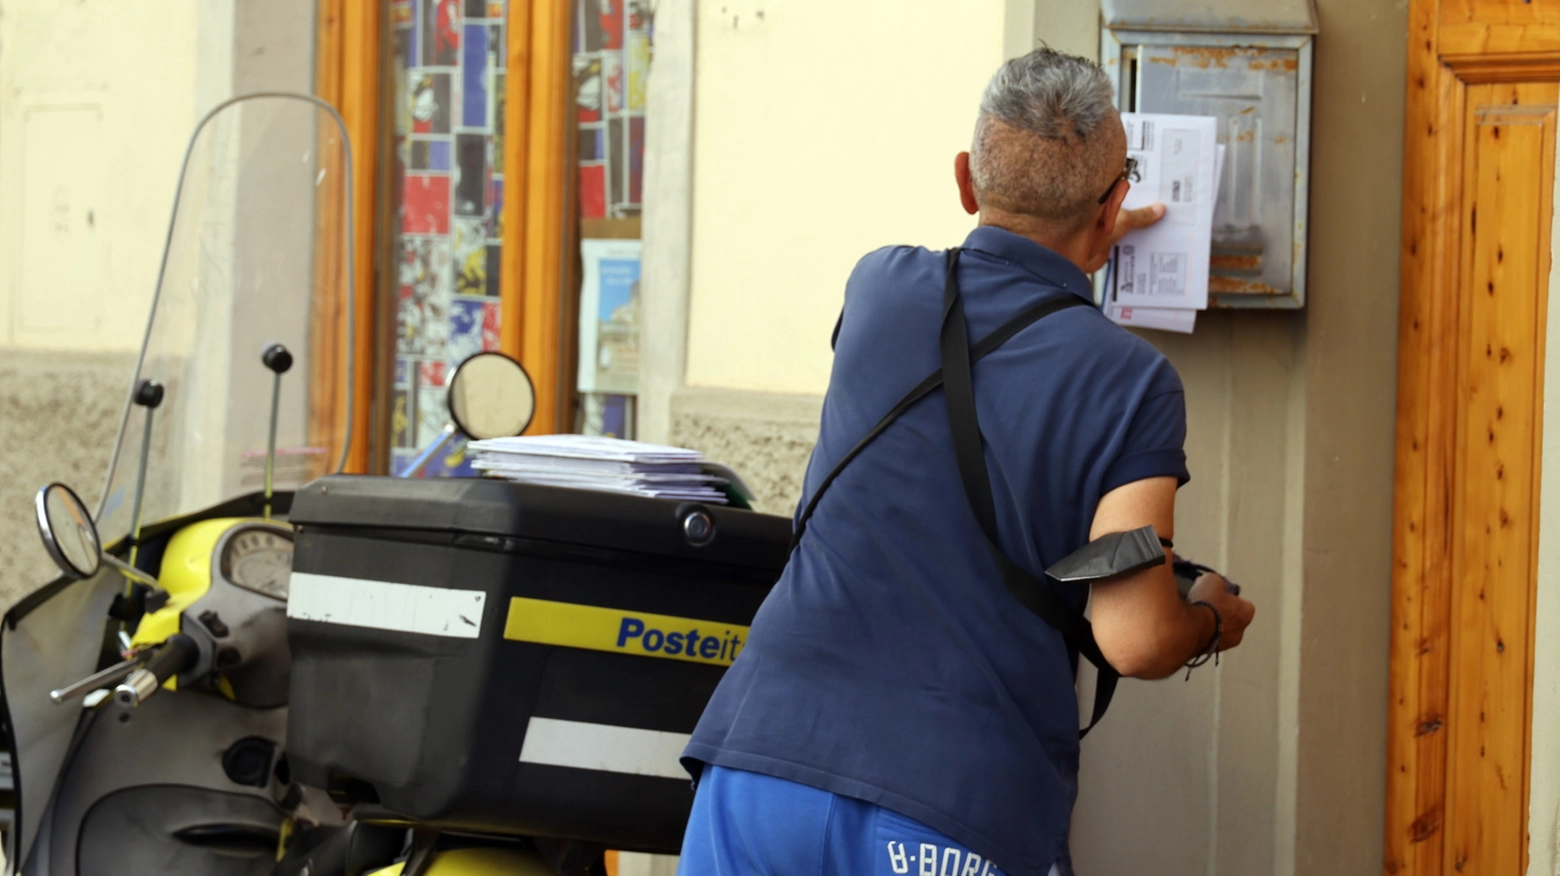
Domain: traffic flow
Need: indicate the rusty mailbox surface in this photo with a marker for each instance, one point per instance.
(1248, 63)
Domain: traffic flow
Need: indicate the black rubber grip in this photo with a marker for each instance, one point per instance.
(172, 657)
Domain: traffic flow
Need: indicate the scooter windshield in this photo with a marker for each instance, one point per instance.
(257, 254)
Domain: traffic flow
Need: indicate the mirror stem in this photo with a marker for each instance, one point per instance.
(140, 487)
(131, 573)
(277, 358)
(148, 395)
(270, 445)
(421, 462)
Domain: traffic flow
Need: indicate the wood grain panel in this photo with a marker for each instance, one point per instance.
(1509, 134)
(1496, 27)
(1522, 12)
(1476, 213)
(1493, 39)
(1417, 681)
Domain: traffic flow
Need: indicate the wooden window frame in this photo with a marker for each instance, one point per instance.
(347, 76)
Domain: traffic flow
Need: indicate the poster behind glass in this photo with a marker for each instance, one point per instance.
(448, 182)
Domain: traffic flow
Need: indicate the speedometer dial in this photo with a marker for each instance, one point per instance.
(259, 559)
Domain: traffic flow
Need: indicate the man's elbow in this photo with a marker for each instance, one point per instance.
(1144, 656)
(1142, 625)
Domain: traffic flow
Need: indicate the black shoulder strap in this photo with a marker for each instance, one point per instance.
(1037, 595)
(999, 336)
(958, 359)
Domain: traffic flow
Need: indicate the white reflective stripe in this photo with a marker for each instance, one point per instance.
(382, 605)
(604, 747)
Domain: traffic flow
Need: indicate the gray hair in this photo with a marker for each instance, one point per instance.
(1046, 139)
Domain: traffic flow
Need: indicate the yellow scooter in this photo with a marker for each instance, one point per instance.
(145, 690)
(173, 704)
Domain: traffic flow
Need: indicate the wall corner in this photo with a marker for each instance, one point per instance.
(1544, 766)
(668, 219)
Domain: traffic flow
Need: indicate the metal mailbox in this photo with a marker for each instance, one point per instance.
(1248, 63)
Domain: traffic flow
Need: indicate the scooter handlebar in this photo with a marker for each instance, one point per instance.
(170, 658)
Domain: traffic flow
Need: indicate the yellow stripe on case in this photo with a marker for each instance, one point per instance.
(623, 632)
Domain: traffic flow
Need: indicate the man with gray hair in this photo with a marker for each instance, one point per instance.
(905, 702)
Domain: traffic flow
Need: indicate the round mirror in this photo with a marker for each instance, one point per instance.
(67, 530)
(491, 397)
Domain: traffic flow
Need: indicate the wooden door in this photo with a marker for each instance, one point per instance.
(1483, 82)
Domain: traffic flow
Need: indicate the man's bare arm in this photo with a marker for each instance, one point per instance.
(1143, 626)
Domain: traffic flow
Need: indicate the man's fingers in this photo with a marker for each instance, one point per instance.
(1142, 217)
(1235, 626)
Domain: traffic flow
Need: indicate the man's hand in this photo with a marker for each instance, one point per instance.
(1127, 221)
(1234, 611)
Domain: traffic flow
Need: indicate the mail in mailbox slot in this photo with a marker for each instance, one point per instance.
(1247, 63)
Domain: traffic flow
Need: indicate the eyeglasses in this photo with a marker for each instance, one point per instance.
(1128, 173)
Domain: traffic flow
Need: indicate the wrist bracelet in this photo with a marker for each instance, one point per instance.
(1212, 651)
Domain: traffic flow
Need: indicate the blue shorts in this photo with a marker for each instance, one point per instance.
(747, 824)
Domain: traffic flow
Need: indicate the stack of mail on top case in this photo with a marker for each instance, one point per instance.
(607, 464)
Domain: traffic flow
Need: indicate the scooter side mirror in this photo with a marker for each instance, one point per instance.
(491, 396)
(68, 532)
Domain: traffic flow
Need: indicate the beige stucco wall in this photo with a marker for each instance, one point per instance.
(1350, 338)
(1291, 443)
(1274, 763)
(97, 100)
(59, 412)
(824, 130)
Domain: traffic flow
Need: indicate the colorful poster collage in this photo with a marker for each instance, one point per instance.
(448, 178)
(612, 40)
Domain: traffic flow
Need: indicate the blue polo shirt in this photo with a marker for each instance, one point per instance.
(889, 664)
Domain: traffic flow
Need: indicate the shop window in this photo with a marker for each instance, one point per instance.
(446, 167)
(500, 170)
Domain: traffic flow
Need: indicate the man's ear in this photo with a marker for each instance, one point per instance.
(1100, 235)
(961, 174)
(1106, 223)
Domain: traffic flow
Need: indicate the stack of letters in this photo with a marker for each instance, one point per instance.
(608, 464)
(1157, 277)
